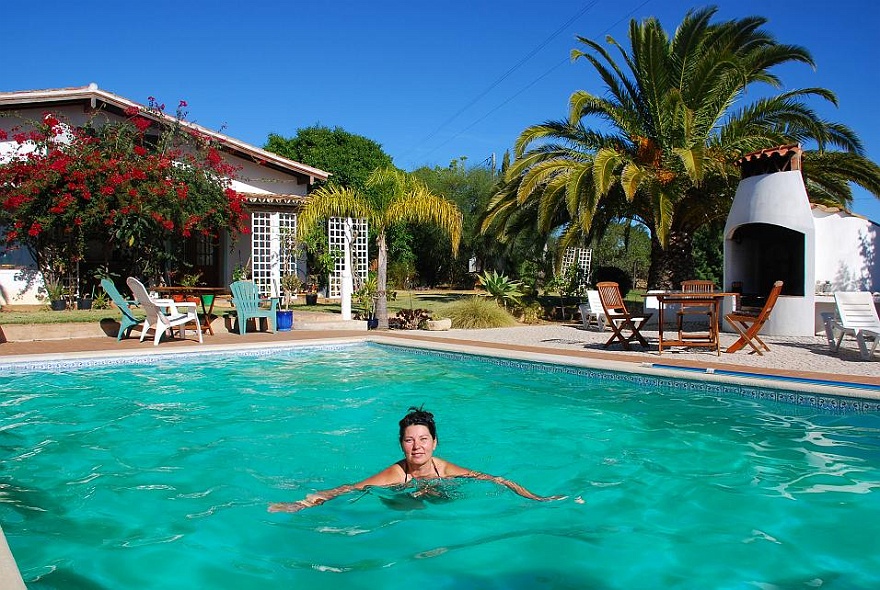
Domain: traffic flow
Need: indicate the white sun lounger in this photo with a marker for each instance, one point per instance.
(856, 316)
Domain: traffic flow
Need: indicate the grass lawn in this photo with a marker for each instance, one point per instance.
(41, 314)
(434, 301)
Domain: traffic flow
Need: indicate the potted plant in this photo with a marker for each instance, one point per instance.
(290, 285)
(312, 290)
(55, 293)
(188, 281)
(365, 296)
(242, 272)
(85, 301)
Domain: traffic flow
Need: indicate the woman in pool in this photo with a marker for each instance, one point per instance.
(418, 439)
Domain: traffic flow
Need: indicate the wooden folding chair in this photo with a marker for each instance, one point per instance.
(619, 318)
(694, 286)
(749, 323)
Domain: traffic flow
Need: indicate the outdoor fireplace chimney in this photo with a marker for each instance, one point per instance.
(770, 236)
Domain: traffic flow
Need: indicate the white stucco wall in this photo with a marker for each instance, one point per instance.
(847, 248)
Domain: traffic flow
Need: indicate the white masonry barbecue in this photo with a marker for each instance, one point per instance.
(770, 236)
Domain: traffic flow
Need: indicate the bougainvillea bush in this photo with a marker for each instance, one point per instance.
(141, 185)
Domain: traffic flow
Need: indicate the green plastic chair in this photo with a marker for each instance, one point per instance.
(128, 320)
(246, 299)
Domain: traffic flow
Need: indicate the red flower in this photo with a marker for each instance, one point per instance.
(49, 120)
(131, 111)
(141, 123)
(35, 229)
(140, 150)
(3, 135)
(182, 191)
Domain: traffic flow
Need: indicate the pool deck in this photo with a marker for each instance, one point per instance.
(798, 358)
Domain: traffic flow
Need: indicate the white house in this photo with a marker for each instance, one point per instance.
(275, 188)
(774, 233)
(847, 248)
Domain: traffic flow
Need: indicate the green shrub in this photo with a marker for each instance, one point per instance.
(478, 312)
(501, 287)
(409, 319)
(531, 313)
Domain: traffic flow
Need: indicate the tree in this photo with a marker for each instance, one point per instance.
(470, 189)
(348, 157)
(391, 196)
(624, 246)
(666, 150)
(140, 191)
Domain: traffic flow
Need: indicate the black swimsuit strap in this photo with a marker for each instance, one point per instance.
(406, 473)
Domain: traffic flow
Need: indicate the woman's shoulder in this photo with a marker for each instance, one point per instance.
(391, 475)
(448, 469)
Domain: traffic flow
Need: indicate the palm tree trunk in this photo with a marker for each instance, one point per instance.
(382, 283)
(672, 265)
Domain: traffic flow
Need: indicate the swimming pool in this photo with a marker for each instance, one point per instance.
(158, 474)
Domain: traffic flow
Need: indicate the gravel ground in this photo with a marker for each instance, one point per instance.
(808, 354)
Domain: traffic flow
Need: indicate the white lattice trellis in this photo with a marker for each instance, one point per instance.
(359, 253)
(583, 258)
(272, 248)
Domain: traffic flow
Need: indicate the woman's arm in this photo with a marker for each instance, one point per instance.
(513, 486)
(386, 477)
(452, 470)
(315, 499)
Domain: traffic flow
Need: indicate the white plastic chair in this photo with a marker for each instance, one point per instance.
(157, 319)
(856, 316)
(592, 312)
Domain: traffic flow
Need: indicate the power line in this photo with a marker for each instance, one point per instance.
(527, 86)
(506, 74)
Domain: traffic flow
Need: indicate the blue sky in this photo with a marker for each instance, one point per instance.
(430, 81)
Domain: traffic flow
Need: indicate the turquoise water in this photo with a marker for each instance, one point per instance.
(159, 475)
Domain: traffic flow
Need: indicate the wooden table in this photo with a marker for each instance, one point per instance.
(708, 339)
(207, 296)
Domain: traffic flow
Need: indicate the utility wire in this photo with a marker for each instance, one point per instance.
(506, 74)
(527, 86)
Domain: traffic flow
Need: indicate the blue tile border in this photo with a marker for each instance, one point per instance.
(62, 365)
(830, 403)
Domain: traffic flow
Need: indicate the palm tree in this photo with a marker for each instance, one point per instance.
(665, 154)
(392, 196)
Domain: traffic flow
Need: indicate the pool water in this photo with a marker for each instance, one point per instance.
(159, 475)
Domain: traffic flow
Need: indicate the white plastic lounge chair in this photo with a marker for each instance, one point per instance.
(592, 312)
(157, 319)
(856, 316)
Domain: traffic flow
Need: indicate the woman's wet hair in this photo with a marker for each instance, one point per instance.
(418, 416)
